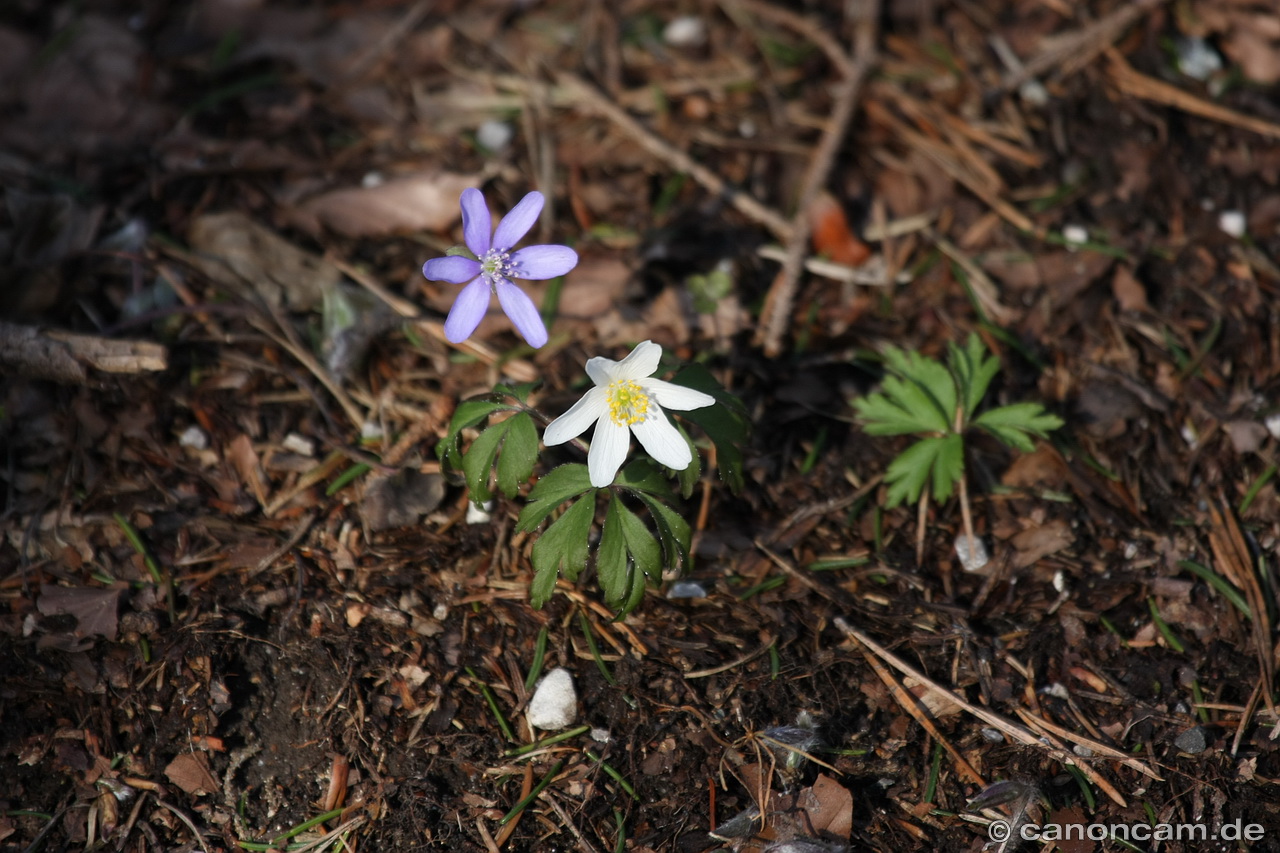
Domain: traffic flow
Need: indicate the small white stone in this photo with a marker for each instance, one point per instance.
(494, 135)
(194, 437)
(601, 735)
(299, 444)
(478, 513)
(1075, 235)
(685, 31)
(370, 430)
(972, 556)
(1232, 222)
(1197, 58)
(1273, 424)
(372, 179)
(555, 701)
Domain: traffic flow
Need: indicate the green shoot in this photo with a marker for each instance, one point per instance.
(939, 403)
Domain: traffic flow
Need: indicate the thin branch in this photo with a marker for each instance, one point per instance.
(783, 292)
(586, 94)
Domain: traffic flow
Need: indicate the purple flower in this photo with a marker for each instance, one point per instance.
(495, 265)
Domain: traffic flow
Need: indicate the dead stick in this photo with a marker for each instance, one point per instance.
(594, 100)
(782, 294)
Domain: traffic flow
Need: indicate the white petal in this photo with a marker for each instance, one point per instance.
(676, 397)
(574, 422)
(602, 370)
(642, 362)
(663, 441)
(608, 451)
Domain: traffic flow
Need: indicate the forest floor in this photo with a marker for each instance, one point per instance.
(238, 594)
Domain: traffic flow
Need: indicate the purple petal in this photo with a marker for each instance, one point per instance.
(467, 311)
(454, 269)
(539, 262)
(476, 221)
(517, 222)
(523, 313)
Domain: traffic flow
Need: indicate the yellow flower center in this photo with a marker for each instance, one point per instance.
(628, 403)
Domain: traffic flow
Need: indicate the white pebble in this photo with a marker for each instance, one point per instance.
(1273, 424)
(479, 513)
(973, 556)
(494, 135)
(299, 444)
(685, 31)
(1232, 222)
(194, 437)
(1075, 235)
(555, 701)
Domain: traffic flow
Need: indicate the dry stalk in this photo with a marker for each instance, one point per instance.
(782, 294)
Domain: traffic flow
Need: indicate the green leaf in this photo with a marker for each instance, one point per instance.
(520, 391)
(468, 414)
(641, 475)
(562, 548)
(926, 388)
(691, 473)
(974, 369)
(612, 565)
(726, 423)
(673, 532)
(519, 453)
(881, 415)
(477, 462)
(941, 456)
(1014, 424)
(646, 558)
(552, 489)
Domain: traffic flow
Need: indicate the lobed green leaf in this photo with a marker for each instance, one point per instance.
(940, 458)
(1015, 424)
(519, 453)
(561, 549)
(726, 423)
(552, 489)
(974, 368)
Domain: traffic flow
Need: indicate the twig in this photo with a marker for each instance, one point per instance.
(62, 356)
(583, 844)
(1149, 89)
(588, 95)
(802, 25)
(1016, 731)
(909, 704)
(782, 294)
(1077, 49)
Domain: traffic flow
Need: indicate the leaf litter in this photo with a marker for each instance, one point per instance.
(1054, 177)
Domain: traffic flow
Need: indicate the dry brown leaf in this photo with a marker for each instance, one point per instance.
(1129, 293)
(244, 256)
(190, 772)
(427, 201)
(829, 806)
(95, 610)
(1038, 542)
(244, 459)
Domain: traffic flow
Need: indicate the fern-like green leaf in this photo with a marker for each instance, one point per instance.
(940, 458)
(1015, 424)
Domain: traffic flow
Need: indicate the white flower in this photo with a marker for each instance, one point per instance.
(625, 400)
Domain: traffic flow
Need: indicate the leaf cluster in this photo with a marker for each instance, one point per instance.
(514, 437)
(921, 396)
(629, 556)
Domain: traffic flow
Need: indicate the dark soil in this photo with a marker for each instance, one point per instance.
(302, 652)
